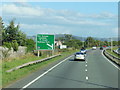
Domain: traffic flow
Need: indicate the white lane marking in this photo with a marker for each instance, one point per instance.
(110, 61)
(86, 78)
(86, 70)
(86, 65)
(86, 61)
(44, 73)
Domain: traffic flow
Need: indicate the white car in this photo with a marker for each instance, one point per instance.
(79, 56)
(94, 48)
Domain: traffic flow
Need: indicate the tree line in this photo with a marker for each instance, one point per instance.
(72, 42)
(12, 36)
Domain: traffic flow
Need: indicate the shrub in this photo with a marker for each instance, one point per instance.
(7, 44)
(63, 50)
(30, 45)
(15, 45)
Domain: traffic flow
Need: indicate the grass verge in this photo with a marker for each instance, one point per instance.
(8, 78)
(112, 53)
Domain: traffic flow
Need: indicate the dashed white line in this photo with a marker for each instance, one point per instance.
(87, 78)
(44, 73)
(86, 71)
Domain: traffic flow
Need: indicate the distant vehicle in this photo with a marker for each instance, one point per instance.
(118, 50)
(104, 46)
(101, 48)
(94, 48)
(79, 56)
(83, 50)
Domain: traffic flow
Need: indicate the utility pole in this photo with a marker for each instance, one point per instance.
(83, 43)
(111, 44)
(99, 44)
(88, 43)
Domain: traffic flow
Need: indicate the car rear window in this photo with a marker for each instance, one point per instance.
(79, 53)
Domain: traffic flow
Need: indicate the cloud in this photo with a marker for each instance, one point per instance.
(25, 9)
(61, 0)
(115, 30)
(104, 15)
(49, 16)
(20, 10)
(44, 28)
(15, 0)
(35, 20)
(79, 31)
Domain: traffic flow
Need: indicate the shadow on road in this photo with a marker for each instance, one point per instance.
(85, 82)
(76, 60)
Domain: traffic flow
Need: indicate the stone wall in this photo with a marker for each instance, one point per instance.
(4, 52)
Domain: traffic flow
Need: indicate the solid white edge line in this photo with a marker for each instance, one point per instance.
(44, 73)
(110, 61)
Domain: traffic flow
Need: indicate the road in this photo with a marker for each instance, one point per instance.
(95, 72)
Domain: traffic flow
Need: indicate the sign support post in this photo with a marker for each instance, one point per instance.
(38, 53)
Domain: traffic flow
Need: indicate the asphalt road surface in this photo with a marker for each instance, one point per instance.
(95, 72)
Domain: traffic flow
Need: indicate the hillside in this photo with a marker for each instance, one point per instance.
(76, 37)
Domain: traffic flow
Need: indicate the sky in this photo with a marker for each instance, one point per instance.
(95, 19)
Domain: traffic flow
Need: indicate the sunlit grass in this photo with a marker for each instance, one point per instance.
(112, 53)
(15, 75)
(19, 61)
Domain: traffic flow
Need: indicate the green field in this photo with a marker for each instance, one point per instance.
(8, 78)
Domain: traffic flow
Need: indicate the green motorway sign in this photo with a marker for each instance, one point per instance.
(45, 42)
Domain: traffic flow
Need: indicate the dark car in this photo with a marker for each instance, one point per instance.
(101, 48)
